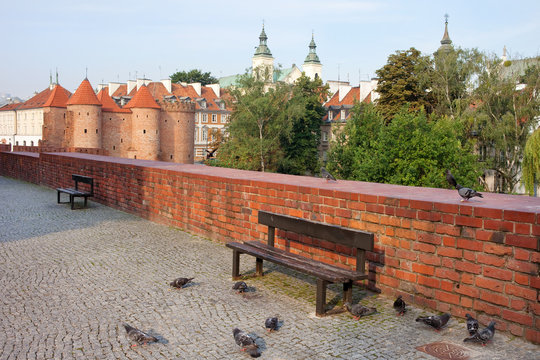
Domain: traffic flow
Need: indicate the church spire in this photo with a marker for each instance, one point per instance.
(263, 48)
(312, 55)
(446, 43)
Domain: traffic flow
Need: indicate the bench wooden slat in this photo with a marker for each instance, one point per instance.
(305, 267)
(336, 234)
(349, 274)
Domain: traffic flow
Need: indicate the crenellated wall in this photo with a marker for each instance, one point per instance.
(480, 257)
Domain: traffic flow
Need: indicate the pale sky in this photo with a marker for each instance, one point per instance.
(118, 39)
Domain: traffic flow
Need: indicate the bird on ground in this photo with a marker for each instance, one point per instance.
(400, 306)
(246, 342)
(180, 282)
(138, 336)
(485, 335)
(435, 321)
(472, 324)
(325, 174)
(359, 310)
(240, 287)
(464, 192)
(271, 323)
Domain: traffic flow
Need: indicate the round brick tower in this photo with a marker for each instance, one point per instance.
(83, 120)
(145, 136)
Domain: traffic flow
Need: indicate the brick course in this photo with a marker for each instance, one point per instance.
(480, 257)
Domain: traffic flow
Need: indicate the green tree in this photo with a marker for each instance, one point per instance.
(304, 111)
(400, 83)
(256, 126)
(531, 163)
(410, 150)
(450, 78)
(193, 76)
(507, 105)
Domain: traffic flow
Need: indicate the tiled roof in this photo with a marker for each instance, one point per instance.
(108, 104)
(58, 97)
(84, 95)
(181, 90)
(37, 100)
(121, 91)
(142, 99)
(10, 107)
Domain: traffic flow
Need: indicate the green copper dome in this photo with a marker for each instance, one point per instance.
(312, 56)
(263, 48)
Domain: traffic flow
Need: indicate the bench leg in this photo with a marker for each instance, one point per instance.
(321, 297)
(347, 292)
(85, 200)
(58, 197)
(235, 264)
(259, 267)
(72, 200)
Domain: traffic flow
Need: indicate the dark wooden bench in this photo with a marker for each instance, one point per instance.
(78, 192)
(325, 273)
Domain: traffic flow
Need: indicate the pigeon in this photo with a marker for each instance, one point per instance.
(435, 321)
(400, 306)
(138, 336)
(483, 335)
(325, 174)
(464, 192)
(240, 287)
(271, 323)
(359, 310)
(246, 342)
(180, 282)
(472, 325)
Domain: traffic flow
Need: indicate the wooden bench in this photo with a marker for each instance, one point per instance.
(77, 192)
(325, 273)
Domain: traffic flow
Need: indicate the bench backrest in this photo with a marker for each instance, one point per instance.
(361, 240)
(83, 179)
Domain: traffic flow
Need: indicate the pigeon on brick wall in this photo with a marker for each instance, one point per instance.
(464, 192)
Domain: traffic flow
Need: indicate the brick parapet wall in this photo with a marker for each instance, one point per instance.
(479, 257)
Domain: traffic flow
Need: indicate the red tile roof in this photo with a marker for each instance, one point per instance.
(58, 97)
(142, 99)
(108, 104)
(84, 95)
(10, 107)
(37, 100)
(349, 99)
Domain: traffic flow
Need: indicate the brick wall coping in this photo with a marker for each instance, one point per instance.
(373, 192)
(24, 153)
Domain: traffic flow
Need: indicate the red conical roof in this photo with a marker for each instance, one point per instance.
(84, 95)
(142, 99)
(107, 102)
(58, 97)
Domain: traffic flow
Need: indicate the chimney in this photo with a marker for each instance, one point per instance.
(216, 89)
(141, 82)
(131, 85)
(113, 86)
(168, 84)
(197, 87)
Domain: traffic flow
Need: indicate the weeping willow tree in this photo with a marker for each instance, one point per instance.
(531, 162)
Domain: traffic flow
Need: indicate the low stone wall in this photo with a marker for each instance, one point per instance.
(479, 257)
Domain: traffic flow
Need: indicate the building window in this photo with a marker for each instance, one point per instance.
(85, 131)
(205, 134)
(324, 136)
(330, 115)
(214, 118)
(204, 118)
(114, 147)
(96, 131)
(171, 157)
(343, 114)
(144, 131)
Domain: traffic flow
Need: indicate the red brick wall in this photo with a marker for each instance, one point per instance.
(479, 257)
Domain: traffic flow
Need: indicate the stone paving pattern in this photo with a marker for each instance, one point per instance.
(69, 279)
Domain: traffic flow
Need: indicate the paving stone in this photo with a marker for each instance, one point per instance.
(69, 279)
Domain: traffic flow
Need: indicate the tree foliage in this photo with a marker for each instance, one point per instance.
(531, 163)
(193, 76)
(400, 83)
(410, 150)
(507, 106)
(304, 111)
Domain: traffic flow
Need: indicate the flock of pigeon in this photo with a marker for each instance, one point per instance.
(248, 344)
(438, 321)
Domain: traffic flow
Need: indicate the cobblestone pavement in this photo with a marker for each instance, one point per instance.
(69, 279)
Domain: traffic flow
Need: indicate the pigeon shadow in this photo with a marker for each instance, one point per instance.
(158, 336)
(259, 341)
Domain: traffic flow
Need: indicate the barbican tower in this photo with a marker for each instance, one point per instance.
(83, 119)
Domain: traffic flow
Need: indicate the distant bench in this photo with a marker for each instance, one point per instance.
(325, 273)
(77, 192)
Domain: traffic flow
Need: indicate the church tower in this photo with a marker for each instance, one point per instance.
(312, 65)
(263, 62)
(446, 43)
